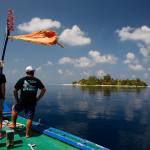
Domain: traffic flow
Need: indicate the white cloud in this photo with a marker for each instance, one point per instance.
(94, 58)
(42, 66)
(144, 50)
(133, 62)
(136, 67)
(38, 69)
(137, 34)
(66, 60)
(65, 72)
(49, 63)
(83, 62)
(100, 73)
(141, 35)
(98, 58)
(60, 71)
(77, 62)
(130, 57)
(74, 37)
(38, 24)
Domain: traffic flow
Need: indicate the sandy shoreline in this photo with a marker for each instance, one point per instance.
(104, 85)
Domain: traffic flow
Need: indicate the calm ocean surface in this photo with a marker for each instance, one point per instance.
(117, 118)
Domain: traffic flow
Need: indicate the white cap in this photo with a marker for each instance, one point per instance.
(29, 68)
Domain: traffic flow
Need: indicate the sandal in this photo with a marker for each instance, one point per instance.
(11, 125)
(28, 136)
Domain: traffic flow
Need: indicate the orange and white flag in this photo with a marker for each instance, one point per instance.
(45, 37)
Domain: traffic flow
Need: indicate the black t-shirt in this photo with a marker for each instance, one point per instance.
(2, 80)
(28, 87)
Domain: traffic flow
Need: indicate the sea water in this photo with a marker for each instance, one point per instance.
(117, 118)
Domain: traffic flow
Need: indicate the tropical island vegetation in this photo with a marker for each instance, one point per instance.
(107, 80)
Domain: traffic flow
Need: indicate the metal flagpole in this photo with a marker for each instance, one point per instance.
(9, 28)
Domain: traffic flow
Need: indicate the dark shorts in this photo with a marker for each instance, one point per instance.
(1, 104)
(29, 110)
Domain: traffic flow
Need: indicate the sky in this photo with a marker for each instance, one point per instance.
(100, 37)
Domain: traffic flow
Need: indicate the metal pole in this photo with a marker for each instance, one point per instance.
(5, 44)
(4, 50)
(9, 28)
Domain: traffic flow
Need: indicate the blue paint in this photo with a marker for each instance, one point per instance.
(64, 137)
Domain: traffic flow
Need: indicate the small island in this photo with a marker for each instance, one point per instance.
(107, 80)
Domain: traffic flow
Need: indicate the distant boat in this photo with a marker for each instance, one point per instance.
(43, 137)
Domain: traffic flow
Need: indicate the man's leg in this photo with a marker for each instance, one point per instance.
(0, 124)
(30, 110)
(14, 116)
(28, 127)
(1, 118)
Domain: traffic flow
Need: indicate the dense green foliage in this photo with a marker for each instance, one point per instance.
(108, 80)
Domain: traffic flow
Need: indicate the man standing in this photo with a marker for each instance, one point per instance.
(2, 95)
(28, 87)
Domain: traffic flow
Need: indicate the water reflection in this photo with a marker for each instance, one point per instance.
(117, 118)
(107, 90)
(95, 102)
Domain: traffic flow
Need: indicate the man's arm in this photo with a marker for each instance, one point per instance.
(16, 95)
(42, 92)
(3, 90)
